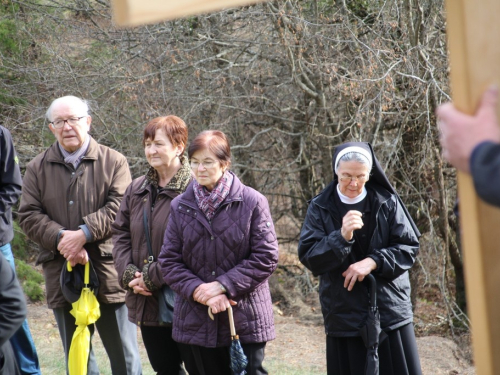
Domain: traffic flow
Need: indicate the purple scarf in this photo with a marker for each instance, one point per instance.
(209, 201)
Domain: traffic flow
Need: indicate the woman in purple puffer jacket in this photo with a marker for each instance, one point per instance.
(219, 250)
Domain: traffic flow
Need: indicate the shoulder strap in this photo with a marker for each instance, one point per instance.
(148, 238)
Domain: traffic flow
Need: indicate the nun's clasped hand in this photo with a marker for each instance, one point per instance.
(351, 221)
(357, 272)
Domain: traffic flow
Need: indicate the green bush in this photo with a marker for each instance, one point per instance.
(29, 278)
(33, 291)
(19, 244)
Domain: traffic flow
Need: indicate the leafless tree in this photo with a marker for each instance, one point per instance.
(286, 80)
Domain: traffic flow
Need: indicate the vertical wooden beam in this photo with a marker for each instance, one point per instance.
(474, 44)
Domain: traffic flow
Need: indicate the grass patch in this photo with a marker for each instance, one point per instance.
(51, 354)
(281, 368)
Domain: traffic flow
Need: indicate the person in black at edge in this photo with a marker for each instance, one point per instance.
(12, 315)
(356, 226)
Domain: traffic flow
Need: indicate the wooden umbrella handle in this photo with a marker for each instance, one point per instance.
(234, 336)
(231, 323)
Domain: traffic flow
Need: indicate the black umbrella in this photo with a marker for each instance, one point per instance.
(371, 333)
(238, 359)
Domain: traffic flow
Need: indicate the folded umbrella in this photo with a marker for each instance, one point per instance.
(86, 311)
(72, 280)
(238, 359)
(371, 333)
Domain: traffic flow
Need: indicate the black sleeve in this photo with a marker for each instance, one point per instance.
(399, 251)
(318, 250)
(12, 302)
(11, 180)
(485, 171)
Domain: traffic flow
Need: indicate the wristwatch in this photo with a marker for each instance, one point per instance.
(222, 288)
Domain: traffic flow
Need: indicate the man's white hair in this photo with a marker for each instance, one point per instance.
(71, 100)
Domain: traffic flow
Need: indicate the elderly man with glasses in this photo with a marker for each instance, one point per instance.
(71, 194)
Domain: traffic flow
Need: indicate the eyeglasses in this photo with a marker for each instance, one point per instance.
(72, 121)
(353, 179)
(206, 164)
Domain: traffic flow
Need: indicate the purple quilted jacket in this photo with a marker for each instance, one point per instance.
(238, 248)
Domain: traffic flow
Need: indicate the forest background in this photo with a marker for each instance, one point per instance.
(287, 81)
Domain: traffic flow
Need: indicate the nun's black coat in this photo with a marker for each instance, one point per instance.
(393, 245)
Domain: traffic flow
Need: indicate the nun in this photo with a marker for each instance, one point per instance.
(358, 226)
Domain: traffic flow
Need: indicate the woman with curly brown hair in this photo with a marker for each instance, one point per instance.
(169, 173)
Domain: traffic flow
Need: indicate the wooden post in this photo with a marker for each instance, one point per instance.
(474, 45)
(139, 12)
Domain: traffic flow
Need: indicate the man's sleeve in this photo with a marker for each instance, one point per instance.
(99, 222)
(485, 171)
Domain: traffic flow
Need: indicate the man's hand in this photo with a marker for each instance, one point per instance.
(82, 257)
(71, 243)
(461, 133)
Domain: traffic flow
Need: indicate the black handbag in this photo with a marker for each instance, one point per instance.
(166, 296)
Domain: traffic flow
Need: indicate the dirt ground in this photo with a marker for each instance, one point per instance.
(301, 342)
(300, 334)
(301, 338)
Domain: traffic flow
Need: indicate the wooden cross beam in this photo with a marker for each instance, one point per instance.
(140, 12)
(474, 47)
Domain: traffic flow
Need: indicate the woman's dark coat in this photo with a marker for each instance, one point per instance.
(130, 249)
(238, 248)
(130, 244)
(394, 246)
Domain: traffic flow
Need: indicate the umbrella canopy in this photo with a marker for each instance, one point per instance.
(371, 333)
(238, 359)
(86, 311)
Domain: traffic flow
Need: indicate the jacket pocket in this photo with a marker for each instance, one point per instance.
(244, 316)
(105, 248)
(45, 256)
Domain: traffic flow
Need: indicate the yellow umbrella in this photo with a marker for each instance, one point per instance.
(86, 311)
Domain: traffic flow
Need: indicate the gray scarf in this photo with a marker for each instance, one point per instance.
(76, 157)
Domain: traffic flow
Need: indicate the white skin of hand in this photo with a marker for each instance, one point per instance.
(71, 243)
(220, 303)
(82, 257)
(351, 221)
(357, 272)
(206, 291)
(138, 285)
(461, 133)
